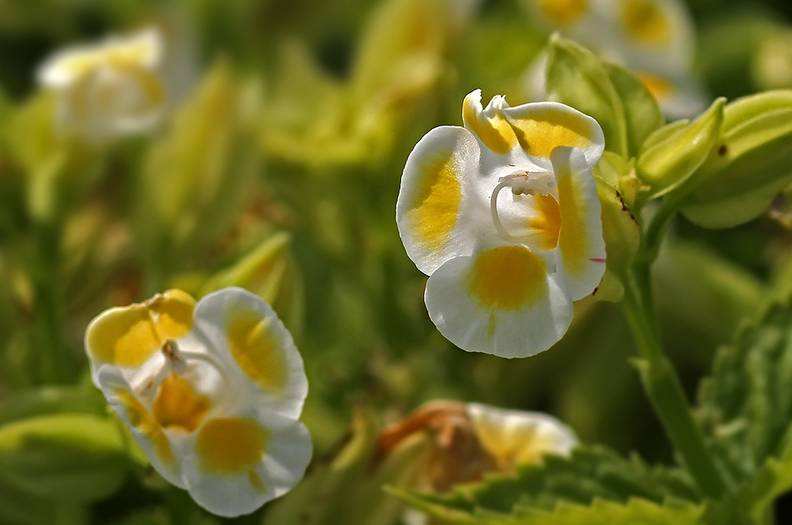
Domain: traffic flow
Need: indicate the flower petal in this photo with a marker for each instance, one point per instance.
(145, 428)
(128, 336)
(500, 301)
(540, 127)
(488, 124)
(515, 437)
(244, 332)
(437, 189)
(678, 97)
(241, 462)
(580, 242)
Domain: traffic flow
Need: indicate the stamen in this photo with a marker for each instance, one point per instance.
(178, 358)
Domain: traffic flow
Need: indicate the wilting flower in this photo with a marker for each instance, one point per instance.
(212, 392)
(505, 266)
(471, 439)
(654, 38)
(108, 89)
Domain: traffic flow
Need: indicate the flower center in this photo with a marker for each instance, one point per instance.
(537, 184)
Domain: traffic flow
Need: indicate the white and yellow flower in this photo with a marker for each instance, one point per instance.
(655, 38)
(515, 438)
(505, 266)
(212, 393)
(109, 89)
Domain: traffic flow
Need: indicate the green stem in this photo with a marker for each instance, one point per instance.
(664, 389)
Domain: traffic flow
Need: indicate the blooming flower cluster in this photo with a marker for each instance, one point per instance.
(505, 266)
(654, 38)
(212, 393)
(109, 89)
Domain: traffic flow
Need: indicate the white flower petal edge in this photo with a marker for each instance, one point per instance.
(580, 243)
(516, 437)
(210, 391)
(240, 463)
(435, 194)
(500, 301)
(244, 331)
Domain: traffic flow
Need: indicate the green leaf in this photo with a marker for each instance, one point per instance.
(51, 400)
(65, 457)
(751, 164)
(577, 77)
(600, 512)
(641, 112)
(589, 474)
(673, 160)
(746, 406)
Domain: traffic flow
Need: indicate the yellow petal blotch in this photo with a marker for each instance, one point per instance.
(178, 405)
(544, 131)
(546, 221)
(563, 12)
(230, 445)
(437, 202)
(645, 21)
(142, 421)
(127, 337)
(573, 237)
(257, 350)
(493, 131)
(507, 278)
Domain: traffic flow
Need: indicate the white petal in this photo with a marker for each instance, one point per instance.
(516, 437)
(145, 429)
(580, 242)
(439, 202)
(500, 301)
(245, 333)
(540, 127)
(234, 470)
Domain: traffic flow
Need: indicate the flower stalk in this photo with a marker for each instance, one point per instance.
(658, 375)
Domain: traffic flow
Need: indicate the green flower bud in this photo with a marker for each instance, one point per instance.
(672, 160)
(65, 457)
(749, 166)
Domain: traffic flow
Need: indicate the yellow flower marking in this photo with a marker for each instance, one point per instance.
(563, 12)
(547, 221)
(645, 21)
(256, 350)
(540, 134)
(437, 204)
(572, 238)
(494, 131)
(143, 422)
(231, 445)
(507, 278)
(127, 337)
(178, 405)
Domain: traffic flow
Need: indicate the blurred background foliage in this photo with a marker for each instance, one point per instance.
(277, 168)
